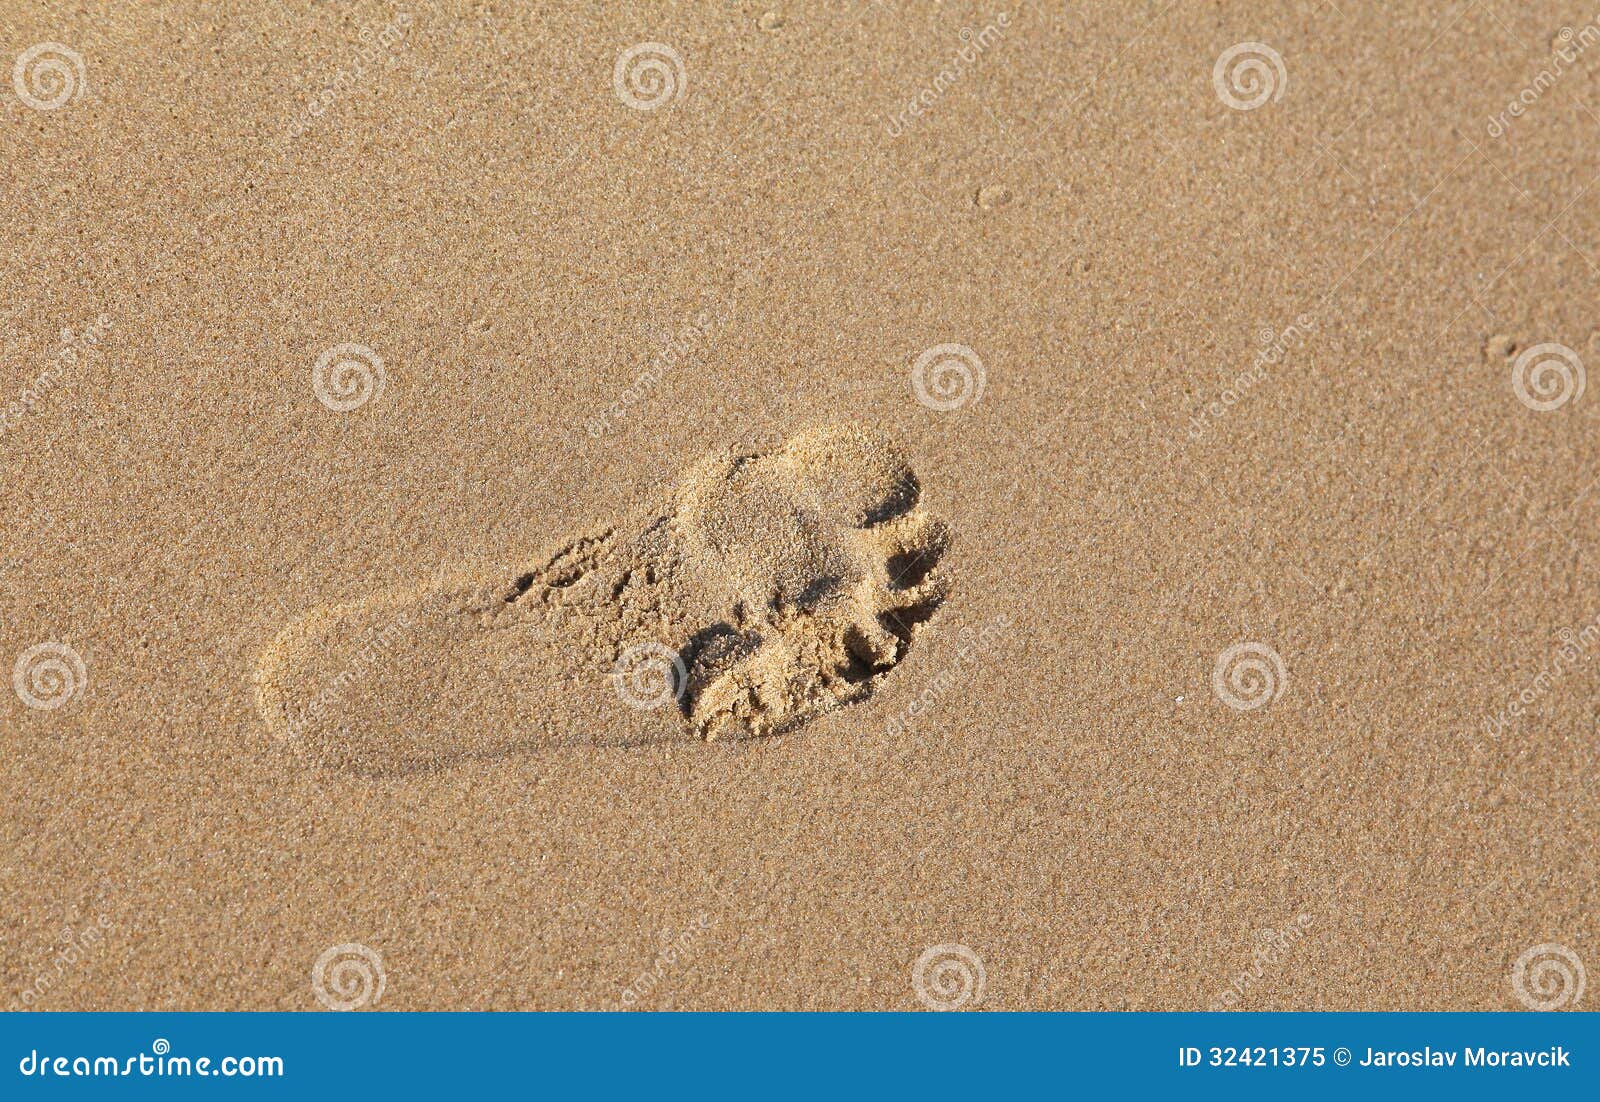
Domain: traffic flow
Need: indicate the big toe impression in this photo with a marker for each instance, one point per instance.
(859, 476)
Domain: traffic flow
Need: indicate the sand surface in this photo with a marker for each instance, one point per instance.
(1218, 372)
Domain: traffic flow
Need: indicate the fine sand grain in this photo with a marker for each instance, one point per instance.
(844, 505)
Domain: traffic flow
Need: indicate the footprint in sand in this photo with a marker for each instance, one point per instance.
(764, 591)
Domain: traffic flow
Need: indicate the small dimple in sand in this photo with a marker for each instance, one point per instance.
(764, 591)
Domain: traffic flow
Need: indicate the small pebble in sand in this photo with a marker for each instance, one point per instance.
(1499, 347)
(992, 196)
(770, 21)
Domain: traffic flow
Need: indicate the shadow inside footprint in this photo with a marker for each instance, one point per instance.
(709, 654)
